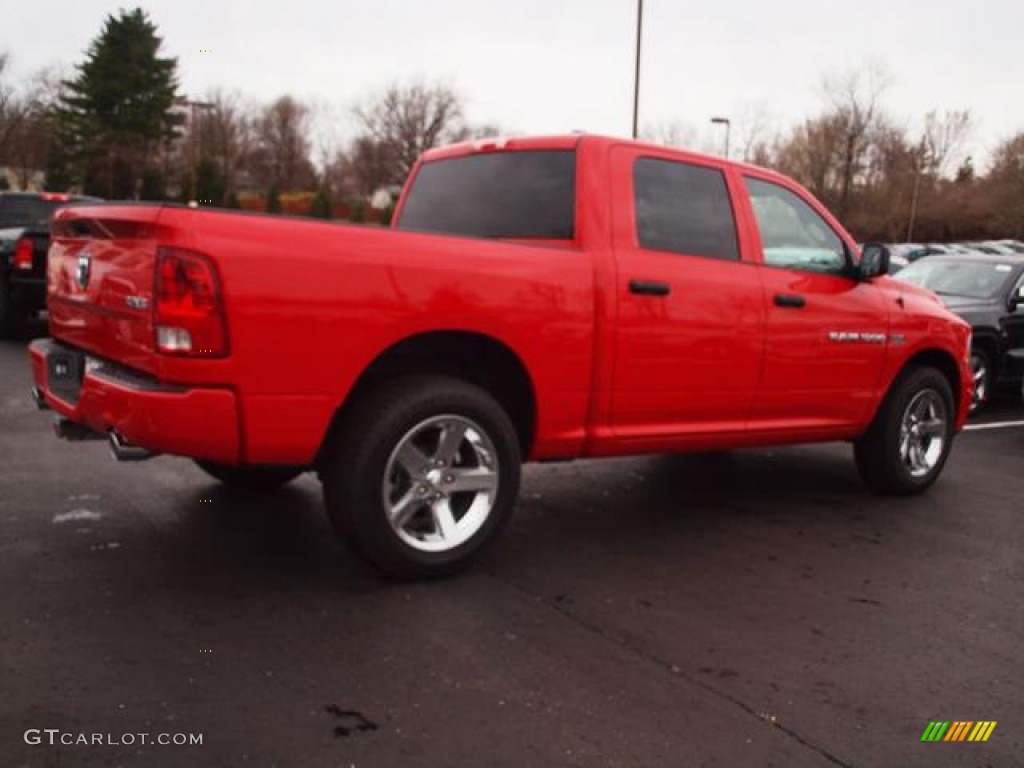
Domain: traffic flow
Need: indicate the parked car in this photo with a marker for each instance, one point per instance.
(24, 240)
(537, 299)
(988, 292)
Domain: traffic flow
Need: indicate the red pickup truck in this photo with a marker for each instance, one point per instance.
(535, 299)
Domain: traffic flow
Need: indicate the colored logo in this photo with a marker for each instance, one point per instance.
(958, 730)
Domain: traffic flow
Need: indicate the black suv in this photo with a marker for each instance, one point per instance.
(986, 290)
(24, 240)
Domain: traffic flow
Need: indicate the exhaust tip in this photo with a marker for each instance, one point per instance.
(125, 451)
(39, 399)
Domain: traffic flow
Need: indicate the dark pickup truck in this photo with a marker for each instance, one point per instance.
(24, 241)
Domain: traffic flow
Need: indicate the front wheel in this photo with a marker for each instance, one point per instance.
(422, 475)
(250, 477)
(906, 447)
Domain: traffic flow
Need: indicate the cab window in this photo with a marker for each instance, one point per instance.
(683, 208)
(793, 234)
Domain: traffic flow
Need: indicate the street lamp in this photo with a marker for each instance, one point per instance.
(728, 126)
(636, 73)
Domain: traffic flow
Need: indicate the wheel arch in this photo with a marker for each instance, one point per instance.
(939, 359)
(473, 357)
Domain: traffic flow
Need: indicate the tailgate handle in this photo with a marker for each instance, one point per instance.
(791, 300)
(649, 288)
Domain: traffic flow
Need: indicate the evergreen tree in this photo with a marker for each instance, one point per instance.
(154, 185)
(210, 186)
(273, 200)
(359, 212)
(188, 184)
(118, 109)
(321, 206)
(58, 173)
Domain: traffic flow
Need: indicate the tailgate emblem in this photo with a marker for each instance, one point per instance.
(84, 269)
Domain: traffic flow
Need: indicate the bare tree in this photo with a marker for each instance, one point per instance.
(855, 98)
(282, 145)
(674, 133)
(408, 120)
(943, 137)
(225, 134)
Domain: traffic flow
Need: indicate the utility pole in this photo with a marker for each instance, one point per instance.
(636, 73)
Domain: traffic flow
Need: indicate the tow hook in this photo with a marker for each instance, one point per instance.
(125, 451)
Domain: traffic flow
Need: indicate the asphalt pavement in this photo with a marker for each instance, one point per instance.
(755, 608)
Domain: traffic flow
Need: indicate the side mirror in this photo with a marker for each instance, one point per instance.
(1016, 298)
(874, 261)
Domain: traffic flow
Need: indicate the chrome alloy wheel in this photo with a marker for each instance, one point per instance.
(923, 432)
(441, 483)
(979, 372)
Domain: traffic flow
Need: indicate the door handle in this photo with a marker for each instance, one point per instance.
(649, 288)
(791, 300)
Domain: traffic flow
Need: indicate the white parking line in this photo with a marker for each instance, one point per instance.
(994, 425)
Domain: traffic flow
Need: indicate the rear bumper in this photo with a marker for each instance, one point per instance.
(194, 422)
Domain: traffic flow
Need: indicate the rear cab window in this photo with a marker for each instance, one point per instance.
(515, 195)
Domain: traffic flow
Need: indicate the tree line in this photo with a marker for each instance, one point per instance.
(120, 128)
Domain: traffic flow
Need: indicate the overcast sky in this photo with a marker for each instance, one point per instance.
(541, 66)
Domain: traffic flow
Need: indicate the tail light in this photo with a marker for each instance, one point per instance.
(23, 251)
(189, 311)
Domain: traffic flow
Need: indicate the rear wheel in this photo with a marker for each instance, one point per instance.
(422, 475)
(906, 447)
(250, 477)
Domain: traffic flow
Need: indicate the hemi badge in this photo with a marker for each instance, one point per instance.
(136, 302)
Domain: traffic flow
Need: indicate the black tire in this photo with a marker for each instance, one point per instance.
(250, 477)
(981, 362)
(878, 451)
(356, 476)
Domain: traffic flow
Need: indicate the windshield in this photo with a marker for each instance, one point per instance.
(514, 195)
(26, 211)
(971, 279)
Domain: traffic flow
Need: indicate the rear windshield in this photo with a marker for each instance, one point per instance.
(26, 211)
(527, 195)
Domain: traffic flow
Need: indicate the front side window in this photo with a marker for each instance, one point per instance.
(683, 208)
(793, 234)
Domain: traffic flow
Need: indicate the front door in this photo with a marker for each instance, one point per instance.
(826, 332)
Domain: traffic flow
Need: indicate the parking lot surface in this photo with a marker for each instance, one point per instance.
(756, 608)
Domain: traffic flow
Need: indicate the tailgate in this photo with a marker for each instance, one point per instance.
(100, 277)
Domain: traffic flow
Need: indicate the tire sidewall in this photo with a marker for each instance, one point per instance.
(913, 384)
(353, 484)
(986, 361)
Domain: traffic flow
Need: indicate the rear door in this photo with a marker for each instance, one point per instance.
(826, 332)
(688, 339)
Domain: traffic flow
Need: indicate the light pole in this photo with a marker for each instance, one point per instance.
(728, 127)
(636, 73)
